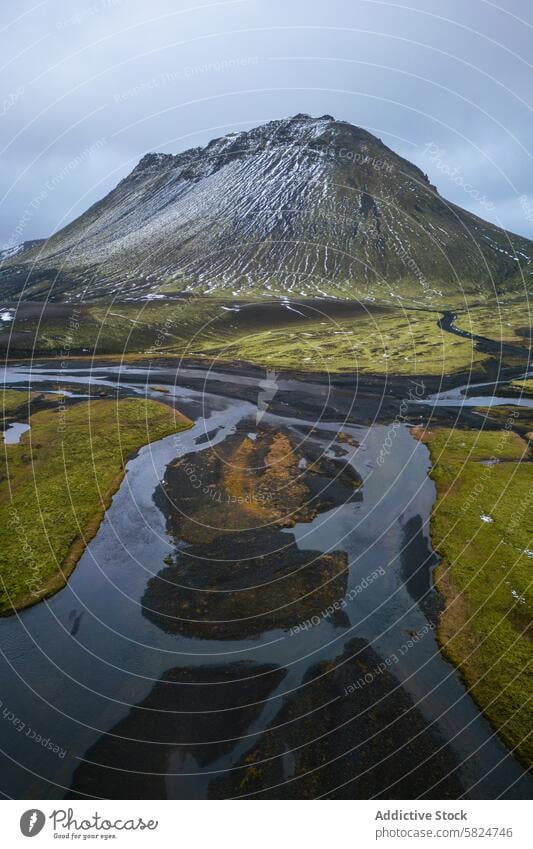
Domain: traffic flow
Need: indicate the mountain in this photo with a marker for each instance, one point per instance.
(8, 253)
(302, 206)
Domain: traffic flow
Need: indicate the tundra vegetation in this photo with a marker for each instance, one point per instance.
(307, 336)
(481, 527)
(57, 482)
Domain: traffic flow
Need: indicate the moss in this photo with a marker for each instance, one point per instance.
(13, 400)
(520, 418)
(525, 387)
(57, 483)
(365, 332)
(335, 336)
(504, 320)
(481, 526)
(402, 342)
(230, 503)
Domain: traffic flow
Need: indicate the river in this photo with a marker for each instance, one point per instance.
(75, 667)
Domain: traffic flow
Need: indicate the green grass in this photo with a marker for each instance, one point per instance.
(504, 320)
(56, 484)
(98, 329)
(365, 336)
(521, 417)
(485, 573)
(397, 342)
(12, 400)
(524, 386)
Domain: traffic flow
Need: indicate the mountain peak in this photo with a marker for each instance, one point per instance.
(303, 116)
(300, 128)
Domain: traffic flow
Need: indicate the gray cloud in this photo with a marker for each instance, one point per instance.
(88, 88)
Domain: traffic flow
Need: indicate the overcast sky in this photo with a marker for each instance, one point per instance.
(89, 86)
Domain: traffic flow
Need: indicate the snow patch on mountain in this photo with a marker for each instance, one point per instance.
(298, 207)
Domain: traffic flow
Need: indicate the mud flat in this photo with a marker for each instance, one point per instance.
(240, 575)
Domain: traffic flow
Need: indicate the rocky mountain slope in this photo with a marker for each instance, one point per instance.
(298, 207)
(9, 253)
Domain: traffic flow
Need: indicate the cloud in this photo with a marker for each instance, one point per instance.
(123, 77)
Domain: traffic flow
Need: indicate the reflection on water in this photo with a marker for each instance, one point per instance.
(461, 396)
(189, 721)
(13, 433)
(146, 707)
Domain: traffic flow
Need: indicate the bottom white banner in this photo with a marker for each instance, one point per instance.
(264, 824)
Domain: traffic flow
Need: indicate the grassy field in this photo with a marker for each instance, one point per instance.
(110, 328)
(56, 484)
(13, 400)
(396, 342)
(505, 320)
(313, 335)
(523, 386)
(522, 418)
(333, 336)
(482, 528)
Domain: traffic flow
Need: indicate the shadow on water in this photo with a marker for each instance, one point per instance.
(418, 564)
(191, 716)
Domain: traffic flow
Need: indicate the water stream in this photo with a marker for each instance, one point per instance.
(73, 666)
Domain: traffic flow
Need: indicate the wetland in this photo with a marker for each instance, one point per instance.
(261, 610)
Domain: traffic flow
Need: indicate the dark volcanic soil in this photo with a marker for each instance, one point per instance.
(190, 711)
(241, 575)
(350, 732)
